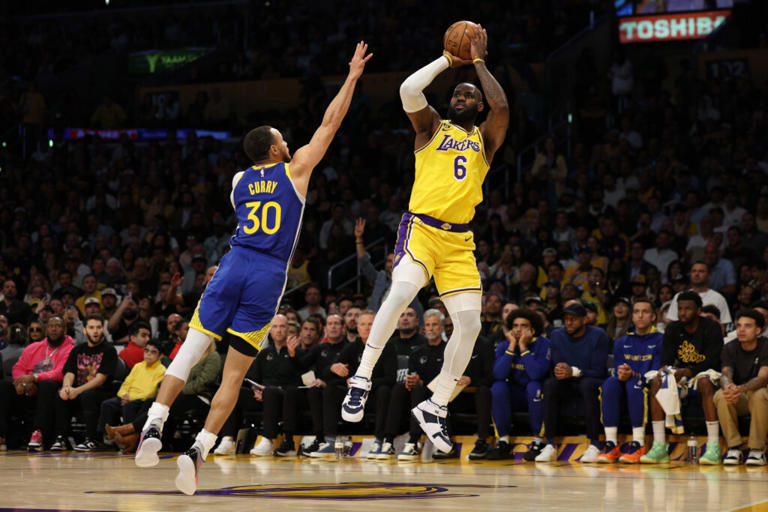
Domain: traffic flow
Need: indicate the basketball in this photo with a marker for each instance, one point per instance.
(456, 40)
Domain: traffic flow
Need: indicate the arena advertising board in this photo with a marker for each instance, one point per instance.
(670, 26)
(157, 61)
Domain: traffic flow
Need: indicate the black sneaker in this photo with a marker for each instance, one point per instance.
(534, 451)
(86, 446)
(500, 451)
(189, 466)
(453, 454)
(480, 451)
(60, 444)
(311, 448)
(286, 449)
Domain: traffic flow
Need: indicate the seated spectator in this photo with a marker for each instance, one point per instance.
(634, 354)
(126, 314)
(382, 380)
(424, 365)
(277, 375)
(691, 346)
(135, 394)
(16, 342)
(699, 275)
(88, 370)
(138, 337)
(182, 329)
(313, 298)
(89, 291)
(491, 323)
(36, 379)
(579, 353)
(522, 363)
(743, 391)
(14, 309)
(319, 359)
(620, 319)
(310, 332)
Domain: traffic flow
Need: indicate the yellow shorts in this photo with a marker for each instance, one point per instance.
(446, 255)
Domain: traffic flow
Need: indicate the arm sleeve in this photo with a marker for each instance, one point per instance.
(127, 383)
(109, 362)
(656, 361)
(71, 365)
(557, 354)
(411, 89)
(537, 363)
(23, 366)
(618, 352)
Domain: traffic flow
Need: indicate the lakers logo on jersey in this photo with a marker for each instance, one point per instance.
(450, 170)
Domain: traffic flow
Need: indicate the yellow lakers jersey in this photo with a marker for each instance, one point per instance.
(450, 170)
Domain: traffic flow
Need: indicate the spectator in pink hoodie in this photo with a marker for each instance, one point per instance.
(37, 376)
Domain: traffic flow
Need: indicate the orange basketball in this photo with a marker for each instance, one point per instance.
(456, 40)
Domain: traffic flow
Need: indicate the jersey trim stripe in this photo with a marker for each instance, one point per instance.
(408, 250)
(298, 194)
(434, 136)
(479, 289)
(252, 338)
(482, 141)
(196, 324)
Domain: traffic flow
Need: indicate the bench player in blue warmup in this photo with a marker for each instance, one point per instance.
(634, 354)
(244, 294)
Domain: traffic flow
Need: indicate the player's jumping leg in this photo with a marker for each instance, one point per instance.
(401, 293)
(464, 309)
(190, 353)
(235, 368)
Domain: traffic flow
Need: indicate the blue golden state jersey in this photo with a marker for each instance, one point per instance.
(642, 352)
(269, 210)
(450, 170)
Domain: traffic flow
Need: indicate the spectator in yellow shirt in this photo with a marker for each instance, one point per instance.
(137, 391)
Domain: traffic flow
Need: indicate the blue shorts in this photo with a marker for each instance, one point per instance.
(243, 296)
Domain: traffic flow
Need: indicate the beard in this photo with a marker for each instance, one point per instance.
(466, 115)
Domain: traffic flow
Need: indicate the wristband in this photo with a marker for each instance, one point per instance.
(525, 353)
(450, 59)
(576, 371)
(475, 61)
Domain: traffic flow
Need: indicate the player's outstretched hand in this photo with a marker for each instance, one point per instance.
(358, 61)
(479, 43)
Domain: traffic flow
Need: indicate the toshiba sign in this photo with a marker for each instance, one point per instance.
(670, 27)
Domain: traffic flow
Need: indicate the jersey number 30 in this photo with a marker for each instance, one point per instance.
(263, 222)
(459, 171)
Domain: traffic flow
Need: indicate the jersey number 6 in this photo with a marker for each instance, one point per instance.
(459, 171)
(262, 223)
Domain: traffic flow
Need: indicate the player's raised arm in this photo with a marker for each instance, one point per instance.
(307, 157)
(424, 118)
(494, 128)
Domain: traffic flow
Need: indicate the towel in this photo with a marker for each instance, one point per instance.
(669, 396)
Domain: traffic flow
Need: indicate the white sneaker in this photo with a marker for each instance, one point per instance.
(548, 454)
(410, 452)
(264, 448)
(591, 454)
(353, 406)
(432, 420)
(227, 446)
(756, 458)
(387, 452)
(733, 457)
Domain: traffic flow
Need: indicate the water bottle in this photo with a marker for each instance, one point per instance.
(338, 447)
(693, 450)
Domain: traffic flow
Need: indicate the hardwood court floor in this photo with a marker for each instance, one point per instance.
(101, 481)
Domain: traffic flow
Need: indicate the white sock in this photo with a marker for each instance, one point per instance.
(401, 293)
(638, 435)
(458, 351)
(205, 441)
(612, 434)
(189, 354)
(713, 431)
(504, 438)
(157, 415)
(659, 435)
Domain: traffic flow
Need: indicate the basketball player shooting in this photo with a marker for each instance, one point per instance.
(244, 294)
(434, 239)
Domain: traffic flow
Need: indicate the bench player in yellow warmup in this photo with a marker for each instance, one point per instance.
(434, 239)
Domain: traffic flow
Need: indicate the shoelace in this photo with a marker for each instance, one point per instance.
(356, 396)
